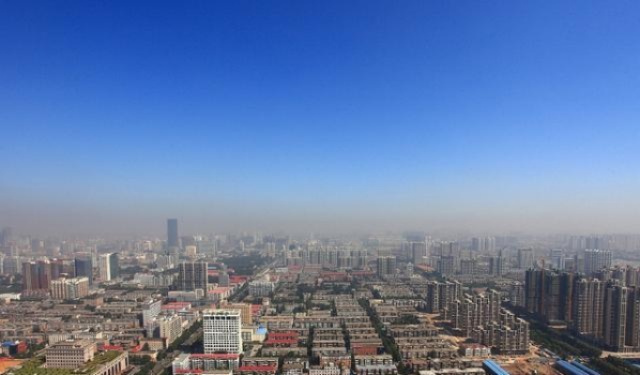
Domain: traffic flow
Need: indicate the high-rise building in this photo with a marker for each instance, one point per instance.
(192, 276)
(109, 266)
(557, 259)
(496, 265)
(6, 236)
(84, 267)
(615, 313)
(173, 240)
(386, 266)
(114, 265)
(595, 260)
(69, 289)
(150, 310)
(588, 308)
(38, 275)
(447, 265)
(419, 252)
(549, 294)
(525, 259)
(222, 331)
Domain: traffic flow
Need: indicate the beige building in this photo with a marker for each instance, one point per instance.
(74, 288)
(170, 327)
(70, 354)
(245, 312)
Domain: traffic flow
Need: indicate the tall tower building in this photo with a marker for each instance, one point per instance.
(595, 260)
(557, 259)
(192, 276)
(173, 240)
(84, 267)
(222, 331)
(419, 252)
(109, 266)
(386, 265)
(615, 313)
(114, 265)
(525, 259)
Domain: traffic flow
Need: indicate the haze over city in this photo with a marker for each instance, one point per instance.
(320, 117)
(259, 187)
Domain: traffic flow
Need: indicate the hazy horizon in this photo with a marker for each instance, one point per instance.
(320, 117)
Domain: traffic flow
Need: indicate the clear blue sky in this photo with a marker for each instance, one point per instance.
(408, 113)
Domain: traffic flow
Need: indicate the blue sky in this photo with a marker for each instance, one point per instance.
(487, 116)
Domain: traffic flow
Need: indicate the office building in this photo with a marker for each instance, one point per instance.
(173, 239)
(84, 268)
(70, 354)
(192, 276)
(222, 331)
(109, 266)
(557, 259)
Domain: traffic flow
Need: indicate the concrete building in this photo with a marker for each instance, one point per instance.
(109, 266)
(386, 266)
(67, 289)
(70, 354)
(169, 327)
(192, 276)
(595, 260)
(222, 331)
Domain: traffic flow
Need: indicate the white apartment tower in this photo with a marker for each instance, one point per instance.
(222, 331)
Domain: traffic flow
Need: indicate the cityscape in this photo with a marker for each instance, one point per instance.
(336, 187)
(260, 304)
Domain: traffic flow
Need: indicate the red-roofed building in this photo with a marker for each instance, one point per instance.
(107, 347)
(235, 279)
(176, 306)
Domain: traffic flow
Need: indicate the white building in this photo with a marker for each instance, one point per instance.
(222, 331)
(150, 310)
(104, 265)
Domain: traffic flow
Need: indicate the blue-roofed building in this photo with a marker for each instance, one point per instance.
(584, 368)
(568, 369)
(492, 368)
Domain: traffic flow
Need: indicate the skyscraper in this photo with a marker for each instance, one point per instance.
(222, 331)
(173, 240)
(114, 265)
(109, 265)
(84, 267)
(192, 276)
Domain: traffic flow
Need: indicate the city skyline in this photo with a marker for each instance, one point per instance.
(327, 117)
